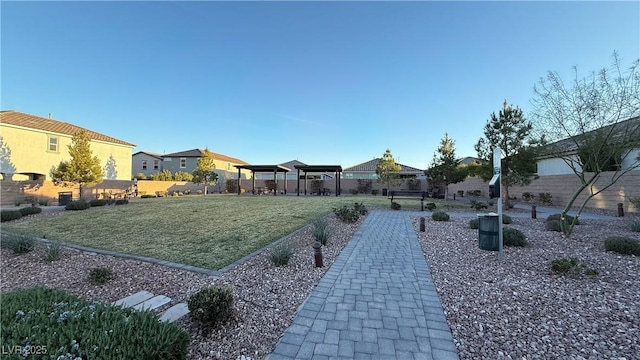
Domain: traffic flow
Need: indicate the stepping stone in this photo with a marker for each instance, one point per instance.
(134, 299)
(175, 312)
(153, 303)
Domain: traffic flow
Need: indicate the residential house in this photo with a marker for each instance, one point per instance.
(34, 145)
(146, 163)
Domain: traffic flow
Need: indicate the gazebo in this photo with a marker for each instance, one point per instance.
(263, 168)
(336, 169)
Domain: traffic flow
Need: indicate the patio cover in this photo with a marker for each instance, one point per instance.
(336, 169)
(263, 168)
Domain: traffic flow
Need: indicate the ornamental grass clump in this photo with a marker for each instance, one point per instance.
(211, 307)
(53, 251)
(100, 275)
(320, 230)
(572, 266)
(18, 243)
(281, 254)
(568, 219)
(474, 223)
(622, 245)
(634, 224)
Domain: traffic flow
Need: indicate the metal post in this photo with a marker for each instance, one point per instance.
(421, 205)
(620, 210)
(534, 214)
(497, 169)
(317, 247)
(422, 225)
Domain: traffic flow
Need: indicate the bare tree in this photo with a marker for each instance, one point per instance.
(595, 124)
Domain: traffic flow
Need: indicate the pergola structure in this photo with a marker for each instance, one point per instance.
(336, 169)
(263, 168)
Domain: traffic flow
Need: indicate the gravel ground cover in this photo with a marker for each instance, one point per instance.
(519, 309)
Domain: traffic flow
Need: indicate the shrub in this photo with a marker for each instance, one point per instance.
(635, 201)
(374, 192)
(430, 206)
(475, 193)
(43, 202)
(122, 201)
(231, 186)
(635, 225)
(414, 184)
(360, 209)
(182, 176)
(281, 254)
(31, 210)
(100, 275)
(198, 192)
(506, 219)
(622, 245)
(53, 251)
(513, 237)
(187, 192)
(140, 176)
(147, 196)
(353, 191)
(73, 328)
(174, 194)
(211, 306)
(528, 197)
(19, 244)
(321, 230)
(8, 215)
(98, 202)
(478, 205)
(545, 198)
(460, 193)
(345, 214)
(571, 266)
(77, 205)
(364, 186)
(440, 216)
(161, 193)
(473, 223)
(553, 225)
(18, 202)
(395, 206)
(568, 218)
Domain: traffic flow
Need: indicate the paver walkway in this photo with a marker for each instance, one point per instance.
(377, 301)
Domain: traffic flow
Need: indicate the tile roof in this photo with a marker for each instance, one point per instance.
(198, 153)
(371, 165)
(54, 126)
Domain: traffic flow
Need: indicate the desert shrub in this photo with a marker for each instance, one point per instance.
(182, 176)
(440, 216)
(346, 214)
(473, 223)
(31, 210)
(198, 192)
(395, 206)
(360, 208)
(19, 244)
(174, 194)
(122, 201)
(164, 175)
(8, 215)
(100, 275)
(77, 205)
(147, 196)
(622, 245)
(212, 306)
(513, 237)
(553, 225)
(460, 193)
(364, 186)
(374, 192)
(634, 224)
(414, 184)
(475, 193)
(528, 197)
(430, 206)
(140, 176)
(18, 202)
(73, 328)
(161, 193)
(571, 266)
(320, 230)
(545, 198)
(98, 202)
(53, 251)
(43, 202)
(568, 218)
(478, 205)
(353, 191)
(506, 219)
(281, 254)
(187, 192)
(231, 186)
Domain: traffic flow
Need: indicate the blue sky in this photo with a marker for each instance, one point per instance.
(321, 82)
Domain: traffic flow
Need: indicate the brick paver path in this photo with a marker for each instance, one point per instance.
(377, 301)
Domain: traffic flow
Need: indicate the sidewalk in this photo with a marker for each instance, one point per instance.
(377, 301)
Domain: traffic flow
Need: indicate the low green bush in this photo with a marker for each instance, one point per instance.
(8, 215)
(281, 254)
(77, 205)
(440, 216)
(572, 266)
(98, 202)
(430, 206)
(43, 202)
(53, 252)
(568, 218)
(100, 275)
(506, 219)
(622, 245)
(395, 206)
(18, 243)
(31, 210)
(321, 230)
(478, 205)
(374, 192)
(67, 327)
(122, 201)
(211, 307)
(634, 224)
(513, 237)
(474, 223)
(346, 214)
(147, 196)
(553, 225)
(161, 193)
(353, 191)
(545, 198)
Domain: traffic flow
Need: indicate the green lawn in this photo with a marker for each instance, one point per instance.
(204, 231)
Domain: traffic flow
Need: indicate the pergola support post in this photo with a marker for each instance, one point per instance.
(298, 177)
(239, 181)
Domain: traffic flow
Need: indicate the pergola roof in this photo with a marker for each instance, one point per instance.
(264, 168)
(319, 168)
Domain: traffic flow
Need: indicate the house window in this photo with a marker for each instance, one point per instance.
(183, 163)
(53, 144)
(156, 164)
(144, 164)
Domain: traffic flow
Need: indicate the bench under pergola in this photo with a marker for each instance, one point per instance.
(336, 169)
(263, 168)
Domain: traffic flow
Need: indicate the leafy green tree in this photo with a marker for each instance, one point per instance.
(445, 168)
(205, 170)
(388, 171)
(164, 175)
(594, 123)
(83, 168)
(510, 131)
